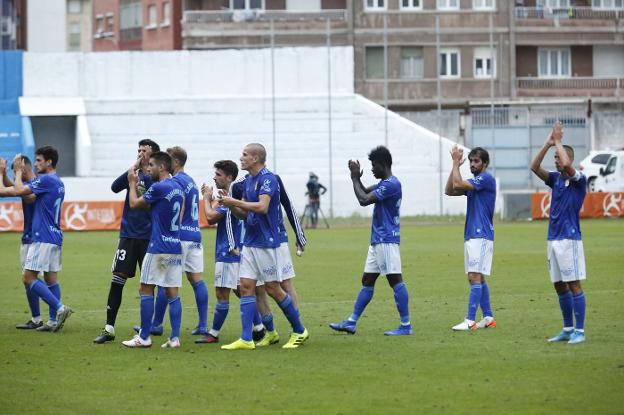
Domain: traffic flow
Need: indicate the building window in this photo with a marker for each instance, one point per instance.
(608, 4)
(99, 24)
(484, 4)
(448, 4)
(166, 14)
(554, 63)
(375, 62)
(110, 23)
(74, 36)
(449, 63)
(74, 6)
(553, 3)
(411, 4)
(246, 4)
(412, 62)
(371, 5)
(152, 16)
(484, 63)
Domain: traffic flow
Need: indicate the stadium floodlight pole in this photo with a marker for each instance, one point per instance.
(329, 120)
(439, 87)
(385, 58)
(493, 64)
(273, 95)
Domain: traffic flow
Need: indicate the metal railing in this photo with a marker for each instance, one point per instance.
(562, 13)
(258, 15)
(571, 83)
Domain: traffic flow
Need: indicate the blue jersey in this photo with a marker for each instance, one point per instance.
(135, 223)
(229, 236)
(480, 210)
(28, 210)
(189, 230)
(46, 223)
(166, 199)
(386, 227)
(263, 231)
(565, 205)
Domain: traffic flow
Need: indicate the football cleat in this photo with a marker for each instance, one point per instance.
(486, 323)
(137, 342)
(402, 330)
(297, 339)
(577, 337)
(199, 331)
(271, 337)
(105, 336)
(347, 326)
(154, 330)
(258, 335)
(29, 325)
(49, 326)
(171, 343)
(62, 314)
(239, 344)
(209, 338)
(563, 336)
(466, 325)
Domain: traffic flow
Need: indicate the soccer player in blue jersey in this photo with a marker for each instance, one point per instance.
(478, 231)
(566, 259)
(44, 252)
(227, 247)
(192, 249)
(162, 265)
(260, 254)
(28, 210)
(384, 256)
(134, 235)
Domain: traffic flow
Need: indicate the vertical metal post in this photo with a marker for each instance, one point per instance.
(329, 120)
(492, 70)
(385, 54)
(439, 98)
(273, 96)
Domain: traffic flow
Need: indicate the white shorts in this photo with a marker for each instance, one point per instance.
(226, 274)
(566, 260)
(23, 254)
(287, 268)
(260, 264)
(43, 257)
(478, 256)
(192, 257)
(164, 270)
(383, 259)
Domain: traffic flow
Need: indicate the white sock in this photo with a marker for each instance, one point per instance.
(109, 329)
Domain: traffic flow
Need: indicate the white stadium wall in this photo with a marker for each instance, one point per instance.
(212, 103)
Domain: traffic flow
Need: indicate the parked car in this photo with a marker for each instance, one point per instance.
(591, 165)
(611, 178)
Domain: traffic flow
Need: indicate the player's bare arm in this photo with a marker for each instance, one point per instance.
(560, 152)
(261, 206)
(536, 164)
(365, 196)
(18, 189)
(459, 184)
(212, 216)
(6, 181)
(134, 200)
(448, 189)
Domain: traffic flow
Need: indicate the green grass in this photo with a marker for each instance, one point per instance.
(510, 369)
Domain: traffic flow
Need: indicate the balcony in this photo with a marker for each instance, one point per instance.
(210, 29)
(571, 16)
(570, 87)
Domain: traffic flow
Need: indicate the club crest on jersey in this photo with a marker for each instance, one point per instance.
(266, 186)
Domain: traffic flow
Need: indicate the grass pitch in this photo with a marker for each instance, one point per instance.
(509, 369)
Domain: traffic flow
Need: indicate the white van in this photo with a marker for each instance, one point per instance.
(611, 178)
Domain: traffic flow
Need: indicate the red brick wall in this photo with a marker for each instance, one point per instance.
(162, 37)
(102, 7)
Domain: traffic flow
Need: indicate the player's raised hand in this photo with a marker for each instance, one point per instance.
(227, 201)
(355, 169)
(207, 190)
(557, 132)
(133, 177)
(457, 154)
(18, 164)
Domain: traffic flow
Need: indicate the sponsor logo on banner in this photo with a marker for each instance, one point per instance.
(7, 213)
(545, 205)
(75, 216)
(612, 204)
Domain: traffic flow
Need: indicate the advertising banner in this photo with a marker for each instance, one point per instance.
(596, 205)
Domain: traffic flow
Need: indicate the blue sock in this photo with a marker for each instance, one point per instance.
(33, 303)
(201, 299)
(257, 318)
(147, 312)
(486, 308)
(566, 305)
(55, 289)
(267, 320)
(579, 310)
(220, 313)
(160, 308)
(473, 301)
(175, 316)
(364, 297)
(248, 309)
(45, 294)
(292, 314)
(401, 298)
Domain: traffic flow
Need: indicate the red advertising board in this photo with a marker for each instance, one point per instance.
(596, 205)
